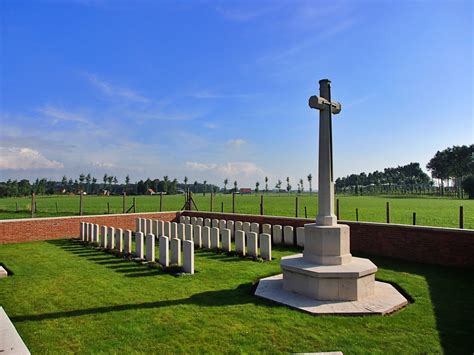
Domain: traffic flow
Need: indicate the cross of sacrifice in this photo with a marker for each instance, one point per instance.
(326, 107)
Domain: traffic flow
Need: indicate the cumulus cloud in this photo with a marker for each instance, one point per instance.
(230, 169)
(236, 142)
(16, 158)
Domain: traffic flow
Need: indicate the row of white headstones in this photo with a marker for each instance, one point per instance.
(212, 236)
(280, 234)
(121, 241)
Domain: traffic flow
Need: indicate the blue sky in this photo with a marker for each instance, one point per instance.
(219, 89)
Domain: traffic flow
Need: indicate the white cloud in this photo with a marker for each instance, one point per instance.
(115, 91)
(236, 142)
(102, 164)
(230, 169)
(59, 114)
(16, 158)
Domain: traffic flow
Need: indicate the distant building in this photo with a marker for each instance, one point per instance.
(245, 191)
(150, 192)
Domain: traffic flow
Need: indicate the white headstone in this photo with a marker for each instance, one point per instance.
(154, 227)
(188, 220)
(127, 242)
(265, 246)
(182, 219)
(222, 224)
(161, 228)
(181, 231)
(230, 226)
(82, 231)
(143, 225)
(277, 234)
(119, 239)
(164, 251)
(150, 247)
(149, 226)
(288, 235)
(252, 241)
(188, 232)
(238, 226)
(206, 237)
(175, 257)
(200, 221)
(215, 242)
(96, 233)
(188, 262)
(207, 222)
(197, 236)
(226, 240)
(193, 220)
(103, 237)
(215, 223)
(138, 224)
(255, 227)
(139, 252)
(167, 229)
(246, 227)
(300, 236)
(111, 238)
(174, 230)
(266, 228)
(240, 242)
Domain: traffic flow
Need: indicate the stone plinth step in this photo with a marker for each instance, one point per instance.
(10, 341)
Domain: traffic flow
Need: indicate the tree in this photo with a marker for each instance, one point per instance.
(310, 179)
(195, 186)
(266, 183)
(205, 187)
(105, 179)
(278, 185)
(94, 181)
(64, 183)
(88, 182)
(288, 186)
(82, 177)
(235, 186)
(226, 181)
(257, 184)
(468, 186)
(301, 185)
(185, 183)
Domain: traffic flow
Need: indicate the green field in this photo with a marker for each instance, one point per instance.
(64, 297)
(430, 211)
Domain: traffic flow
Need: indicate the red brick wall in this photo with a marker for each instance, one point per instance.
(431, 245)
(26, 230)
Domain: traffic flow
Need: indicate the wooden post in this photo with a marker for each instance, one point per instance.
(233, 202)
(296, 207)
(134, 206)
(123, 201)
(357, 215)
(108, 208)
(414, 218)
(461, 217)
(337, 209)
(261, 205)
(33, 205)
(305, 212)
(388, 212)
(222, 207)
(161, 201)
(81, 205)
(211, 203)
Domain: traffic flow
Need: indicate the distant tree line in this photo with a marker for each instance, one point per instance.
(402, 179)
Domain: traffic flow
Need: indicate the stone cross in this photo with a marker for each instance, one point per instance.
(326, 107)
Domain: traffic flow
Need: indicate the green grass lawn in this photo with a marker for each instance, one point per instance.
(64, 297)
(431, 211)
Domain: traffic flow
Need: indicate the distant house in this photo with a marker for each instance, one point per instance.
(245, 191)
(150, 192)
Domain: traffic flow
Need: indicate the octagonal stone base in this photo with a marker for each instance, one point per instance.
(348, 282)
(386, 299)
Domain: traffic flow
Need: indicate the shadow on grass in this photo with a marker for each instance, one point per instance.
(242, 294)
(451, 291)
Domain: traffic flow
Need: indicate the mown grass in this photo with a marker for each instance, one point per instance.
(430, 211)
(64, 297)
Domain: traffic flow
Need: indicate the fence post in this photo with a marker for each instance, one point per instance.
(296, 207)
(134, 206)
(461, 217)
(337, 208)
(357, 215)
(222, 207)
(108, 208)
(81, 206)
(261, 205)
(388, 212)
(414, 218)
(305, 212)
(233, 202)
(123, 201)
(161, 201)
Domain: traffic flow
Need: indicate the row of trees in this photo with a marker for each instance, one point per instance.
(278, 185)
(452, 166)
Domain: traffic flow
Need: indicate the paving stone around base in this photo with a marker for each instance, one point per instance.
(3, 272)
(10, 340)
(386, 300)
